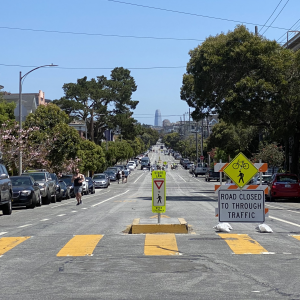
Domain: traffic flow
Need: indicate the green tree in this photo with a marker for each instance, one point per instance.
(6, 110)
(100, 102)
(92, 157)
(246, 78)
(270, 154)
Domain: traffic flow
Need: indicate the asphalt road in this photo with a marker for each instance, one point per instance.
(42, 247)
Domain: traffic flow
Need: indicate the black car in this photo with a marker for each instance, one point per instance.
(26, 192)
(111, 175)
(212, 175)
(91, 185)
(59, 193)
(68, 180)
(65, 190)
(6, 191)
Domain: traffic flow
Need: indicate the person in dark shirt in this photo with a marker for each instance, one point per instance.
(77, 179)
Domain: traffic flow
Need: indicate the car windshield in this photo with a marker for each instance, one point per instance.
(287, 178)
(67, 180)
(20, 181)
(38, 176)
(145, 160)
(99, 177)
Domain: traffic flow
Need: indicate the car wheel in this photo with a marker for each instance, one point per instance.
(47, 199)
(196, 175)
(94, 190)
(39, 203)
(33, 202)
(87, 191)
(7, 209)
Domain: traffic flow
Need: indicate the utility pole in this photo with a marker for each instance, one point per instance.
(256, 30)
(202, 137)
(197, 144)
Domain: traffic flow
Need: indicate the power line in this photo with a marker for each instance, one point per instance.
(271, 15)
(288, 30)
(190, 14)
(99, 68)
(276, 16)
(99, 34)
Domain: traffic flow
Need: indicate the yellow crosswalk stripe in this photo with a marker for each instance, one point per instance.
(80, 245)
(243, 244)
(297, 237)
(7, 243)
(160, 244)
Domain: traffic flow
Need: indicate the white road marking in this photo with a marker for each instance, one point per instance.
(1, 233)
(44, 220)
(181, 177)
(61, 215)
(280, 208)
(284, 221)
(74, 211)
(109, 199)
(84, 208)
(24, 225)
(138, 178)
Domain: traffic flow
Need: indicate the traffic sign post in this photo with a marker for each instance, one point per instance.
(159, 192)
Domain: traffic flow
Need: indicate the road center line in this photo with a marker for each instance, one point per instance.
(44, 220)
(61, 215)
(109, 199)
(284, 221)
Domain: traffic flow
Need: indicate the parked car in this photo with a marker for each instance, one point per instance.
(101, 180)
(200, 169)
(65, 189)
(111, 175)
(211, 175)
(132, 162)
(57, 187)
(68, 181)
(131, 166)
(115, 169)
(284, 186)
(26, 192)
(265, 179)
(47, 185)
(6, 191)
(90, 184)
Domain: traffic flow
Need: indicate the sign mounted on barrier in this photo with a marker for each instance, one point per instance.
(245, 206)
(240, 170)
(158, 191)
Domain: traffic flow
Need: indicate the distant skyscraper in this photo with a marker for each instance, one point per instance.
(157, 119)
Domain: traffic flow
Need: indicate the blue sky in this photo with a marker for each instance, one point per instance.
(158, 88)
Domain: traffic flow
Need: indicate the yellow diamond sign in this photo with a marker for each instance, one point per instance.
(240, 170)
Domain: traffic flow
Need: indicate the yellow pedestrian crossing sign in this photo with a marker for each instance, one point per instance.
(240, 170)
(159, 191)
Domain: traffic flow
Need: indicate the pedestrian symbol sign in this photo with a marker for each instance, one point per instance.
(240, 170)
(158, 191)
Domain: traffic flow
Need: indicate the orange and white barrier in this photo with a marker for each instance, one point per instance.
(246, 187)
(261, 167)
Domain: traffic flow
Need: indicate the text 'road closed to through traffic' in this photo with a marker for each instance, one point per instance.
(241, 206)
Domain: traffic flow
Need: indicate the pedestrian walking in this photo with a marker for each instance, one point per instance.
(123, 176)
(126, 176)
(119, 175)
(77, 179)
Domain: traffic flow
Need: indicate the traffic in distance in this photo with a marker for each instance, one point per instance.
(40, 187)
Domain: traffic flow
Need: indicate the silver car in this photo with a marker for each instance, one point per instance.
(101, 180)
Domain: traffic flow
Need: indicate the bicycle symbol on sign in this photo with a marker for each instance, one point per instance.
(241, 165)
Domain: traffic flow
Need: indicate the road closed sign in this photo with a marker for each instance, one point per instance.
(245, 206)
(158, 191)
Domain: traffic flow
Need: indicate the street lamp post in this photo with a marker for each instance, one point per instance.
(20, 107)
